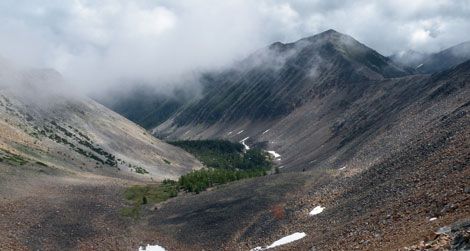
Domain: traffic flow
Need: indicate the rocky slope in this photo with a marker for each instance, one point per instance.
(42, 122)
(384, 150)
(435, 62)
(398, 182)
(275, 81)
(306, 100)
(65, 161)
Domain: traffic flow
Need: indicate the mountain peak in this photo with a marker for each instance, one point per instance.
(330, 31)
(328, 34)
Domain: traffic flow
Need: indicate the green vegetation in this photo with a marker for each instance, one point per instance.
(200, 180)
(225, 161)
(224, 154)
(15, 160)
(41, 164)
(167, 161)
(141, 195)
(140, 170)
(68, 138)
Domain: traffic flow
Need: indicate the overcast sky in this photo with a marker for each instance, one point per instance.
(97, 43)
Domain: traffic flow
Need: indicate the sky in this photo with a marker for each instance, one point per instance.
(103, 44)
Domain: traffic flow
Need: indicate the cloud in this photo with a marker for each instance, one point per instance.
(105, 44)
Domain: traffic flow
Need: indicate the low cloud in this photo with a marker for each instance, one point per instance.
(98, 45)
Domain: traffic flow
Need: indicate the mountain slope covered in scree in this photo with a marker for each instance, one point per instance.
(65, 161)
(382, 148)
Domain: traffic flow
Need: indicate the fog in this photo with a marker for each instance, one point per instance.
(103, 45)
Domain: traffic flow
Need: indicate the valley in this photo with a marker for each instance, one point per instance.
(319, 144)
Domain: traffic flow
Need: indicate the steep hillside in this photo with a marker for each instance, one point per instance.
(371, 157)
(409, 58)
(65, 161)
(43, 123)
(385, 155)
(145, 105)
(303, 100)
(387, 171)
(435, 62)
(274, 81)
(446, 59)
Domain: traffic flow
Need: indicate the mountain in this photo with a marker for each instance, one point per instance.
(276, 80)
(370, 155)
(409, 58)
(144, 105)
(43, 123)
(303, 93)
(436, 62)
(382, 150)
(65, 163)
(446, 59)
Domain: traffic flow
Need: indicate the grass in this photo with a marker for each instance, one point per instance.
(195, 182)
(167, 161)
(150, 194)
(225, 162)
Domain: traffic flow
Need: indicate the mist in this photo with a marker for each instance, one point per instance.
(113, 45)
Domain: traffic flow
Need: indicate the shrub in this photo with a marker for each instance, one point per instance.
(41, 164)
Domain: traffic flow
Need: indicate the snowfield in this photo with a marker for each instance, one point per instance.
(244, 144)
(274, 154)
(284, 240)
(151, 248)
(316, 210)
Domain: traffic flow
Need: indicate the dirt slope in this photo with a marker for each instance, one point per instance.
(65, 161)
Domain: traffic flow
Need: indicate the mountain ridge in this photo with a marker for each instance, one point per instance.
(37, 106)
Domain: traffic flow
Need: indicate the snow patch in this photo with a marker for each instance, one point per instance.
(266, 131)
(284, 240)
(274, 154)
(240, 132)
(419, 66)
(316, 210)
(151, 248)
(342, 168)
(229, 133)
(433, 219)
(244, 144)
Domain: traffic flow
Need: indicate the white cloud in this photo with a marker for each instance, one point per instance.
(98, 44)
